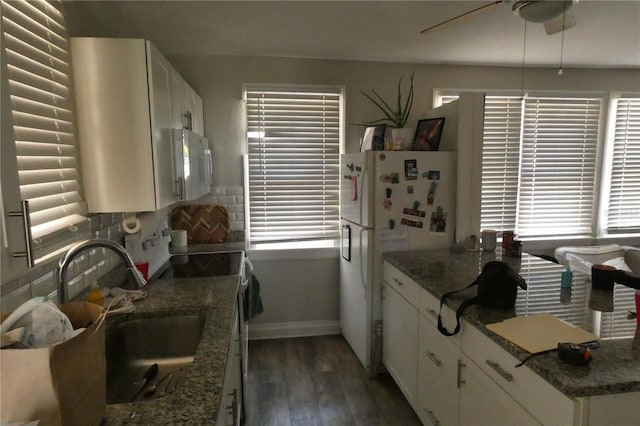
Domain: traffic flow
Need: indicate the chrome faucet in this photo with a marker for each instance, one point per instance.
(65, 261)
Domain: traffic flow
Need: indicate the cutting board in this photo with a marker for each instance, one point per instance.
(540, 332)
(204, 223)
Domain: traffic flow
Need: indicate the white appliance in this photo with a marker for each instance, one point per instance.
(192, 164)
(389, 201)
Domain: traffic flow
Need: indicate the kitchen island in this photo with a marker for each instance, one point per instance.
(198, 397)
(610, 382)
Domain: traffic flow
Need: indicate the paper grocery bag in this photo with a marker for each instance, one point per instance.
(60, 385)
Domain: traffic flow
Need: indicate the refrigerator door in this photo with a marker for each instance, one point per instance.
(415, 200)
(356, 171)
(356, 289)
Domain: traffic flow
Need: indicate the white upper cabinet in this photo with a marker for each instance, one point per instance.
(186, 106)
(124, 91)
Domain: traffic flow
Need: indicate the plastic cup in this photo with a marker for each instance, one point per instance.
(143, 267)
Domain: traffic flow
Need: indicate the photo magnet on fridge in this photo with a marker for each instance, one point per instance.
(438, 221)
(433, 175)
(411, 169)
(432, 193)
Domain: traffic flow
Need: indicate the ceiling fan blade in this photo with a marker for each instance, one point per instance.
(466, 14)
(559, 24)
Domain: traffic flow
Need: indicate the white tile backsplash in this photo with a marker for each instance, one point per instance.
(231, 197)
(86, 269)
(44, 285)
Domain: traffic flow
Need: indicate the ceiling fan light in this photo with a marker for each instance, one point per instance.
(541, 10)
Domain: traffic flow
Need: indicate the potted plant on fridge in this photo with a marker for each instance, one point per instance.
(395, 117)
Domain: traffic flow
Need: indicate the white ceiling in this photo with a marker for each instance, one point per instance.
(607, 33)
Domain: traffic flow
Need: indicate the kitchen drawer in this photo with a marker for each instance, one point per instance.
(405, 286)
(429, 308)
(522, 384)
(438, 357)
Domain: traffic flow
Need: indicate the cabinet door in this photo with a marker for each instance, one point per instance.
(483, 402)
(229, 412)
(194, 109)
(160, 72)
(186, 106)
(400, 341)
(437, 376)
(178, 94)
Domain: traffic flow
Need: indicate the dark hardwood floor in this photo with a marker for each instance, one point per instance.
(319, 381)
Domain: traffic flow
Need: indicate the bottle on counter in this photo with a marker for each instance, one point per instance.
(566, 279)
(95, 295)
(507, 239)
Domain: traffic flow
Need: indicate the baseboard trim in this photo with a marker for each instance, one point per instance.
(281, 330)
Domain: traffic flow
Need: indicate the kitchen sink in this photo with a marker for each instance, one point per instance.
(135, 345)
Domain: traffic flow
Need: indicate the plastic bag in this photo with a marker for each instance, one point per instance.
(42, 323)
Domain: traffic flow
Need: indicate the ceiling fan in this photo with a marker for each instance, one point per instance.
(555, 15)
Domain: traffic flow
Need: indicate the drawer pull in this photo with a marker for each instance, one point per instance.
(434, 358)
(459, 381)
(432, 313)
(432, 417)
(398, 281)
(507, 376)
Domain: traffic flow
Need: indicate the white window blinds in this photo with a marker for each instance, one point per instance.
(293, 163)
(558, 166)
(539, 164)
(500, 161)
(37, 54)
(624, 196)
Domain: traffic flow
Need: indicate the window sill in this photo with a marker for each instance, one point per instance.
(294, 251)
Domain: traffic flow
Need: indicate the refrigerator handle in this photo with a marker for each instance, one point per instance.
(363, 261)
(363, 179)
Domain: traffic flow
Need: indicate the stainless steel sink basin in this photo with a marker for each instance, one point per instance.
(133, 346)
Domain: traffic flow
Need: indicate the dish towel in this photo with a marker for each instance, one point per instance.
(253, 302)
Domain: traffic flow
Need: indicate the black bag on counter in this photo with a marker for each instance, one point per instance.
(497, 288)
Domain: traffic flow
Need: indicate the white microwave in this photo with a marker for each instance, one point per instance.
(193, 169)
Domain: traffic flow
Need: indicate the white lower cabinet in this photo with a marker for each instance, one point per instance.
(400, 340)
(483, 402)
(230, 410)
(468, 379)
(437, 376)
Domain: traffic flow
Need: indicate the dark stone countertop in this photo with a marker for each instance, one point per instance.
(197, 399)
(226, 246)
(615, 367)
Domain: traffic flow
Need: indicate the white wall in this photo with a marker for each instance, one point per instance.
(300, 297)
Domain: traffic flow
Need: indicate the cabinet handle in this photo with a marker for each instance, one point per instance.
(432, 313)
(434, 358)
(398, 281)
(180, 188)
(432, 417)
(507, 376)
(26, 223)
(459, 381)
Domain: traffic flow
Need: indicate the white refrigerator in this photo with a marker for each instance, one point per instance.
(389, 201)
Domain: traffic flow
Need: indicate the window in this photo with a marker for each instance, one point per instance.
(539, 164)
(294, 138)
(558, 166)
(500, 161)
(624, 196)
(38, 68)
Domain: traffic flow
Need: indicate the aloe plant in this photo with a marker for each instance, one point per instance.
(393, 117)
